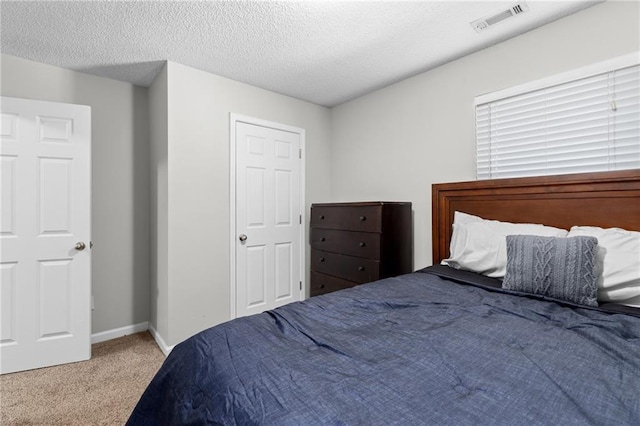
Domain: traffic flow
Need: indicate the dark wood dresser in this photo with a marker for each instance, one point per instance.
(356, 243)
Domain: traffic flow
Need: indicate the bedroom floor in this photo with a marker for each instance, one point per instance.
(103, 390)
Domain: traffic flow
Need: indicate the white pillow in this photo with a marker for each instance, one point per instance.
(619, 252)
(480, 245)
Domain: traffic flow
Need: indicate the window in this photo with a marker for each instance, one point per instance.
(583, 121)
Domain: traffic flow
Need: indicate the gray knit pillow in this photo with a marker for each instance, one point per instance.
(559, 268)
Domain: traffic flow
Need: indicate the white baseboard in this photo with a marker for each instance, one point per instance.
(103, 336)
(161, 343)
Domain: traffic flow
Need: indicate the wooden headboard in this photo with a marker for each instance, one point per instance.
(606, 199)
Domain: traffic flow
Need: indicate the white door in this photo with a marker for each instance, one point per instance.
(45, 259)
(268, 215)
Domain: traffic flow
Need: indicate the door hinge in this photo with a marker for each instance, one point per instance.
(300, 219)
(300, 153)
(300, 285)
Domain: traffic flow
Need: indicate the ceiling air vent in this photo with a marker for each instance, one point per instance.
(484, 23)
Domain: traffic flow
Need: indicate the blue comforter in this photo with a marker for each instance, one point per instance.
(416, 349)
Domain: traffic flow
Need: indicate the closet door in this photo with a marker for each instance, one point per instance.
(268, 217)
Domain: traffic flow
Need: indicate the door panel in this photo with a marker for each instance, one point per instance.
(54, 289)
(256, 279)
(284, 272)
(54, 207)
(46, 201)
(8, 299)
(8, 207)
(268, 209)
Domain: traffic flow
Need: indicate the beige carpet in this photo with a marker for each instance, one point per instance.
(101, 391)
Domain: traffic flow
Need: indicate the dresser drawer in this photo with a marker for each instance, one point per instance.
(359, 244)
(321, 284)
(350, 268)
(352, 218)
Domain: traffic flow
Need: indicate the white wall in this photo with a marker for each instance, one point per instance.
(120, 181)
(394, 143)
(158, 194)
(198, 261)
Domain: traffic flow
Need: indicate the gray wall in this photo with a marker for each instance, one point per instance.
(120, 181)
(394, 143)
(197, 211)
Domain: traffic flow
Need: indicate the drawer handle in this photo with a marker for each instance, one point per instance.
(323, 239)
(363, 218)
(362, 244)
(322, 259)
(321, 217)
(360, 268)
(321, 285)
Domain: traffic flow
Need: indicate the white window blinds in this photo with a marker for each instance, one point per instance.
(588, 124)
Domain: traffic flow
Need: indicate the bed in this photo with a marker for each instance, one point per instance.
(442, 345)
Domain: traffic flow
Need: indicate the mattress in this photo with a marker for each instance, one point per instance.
(438, 346)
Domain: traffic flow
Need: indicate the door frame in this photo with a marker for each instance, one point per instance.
(233, 120)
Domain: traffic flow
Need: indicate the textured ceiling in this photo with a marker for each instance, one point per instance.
(325, 52)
